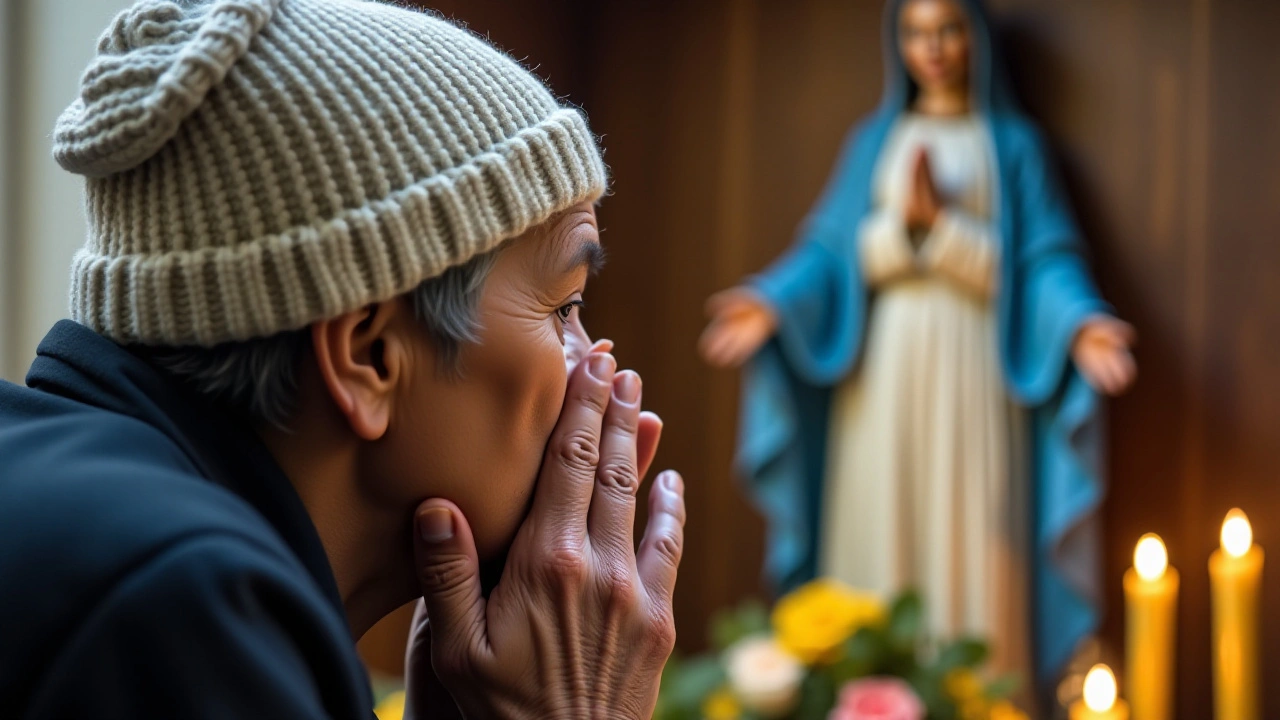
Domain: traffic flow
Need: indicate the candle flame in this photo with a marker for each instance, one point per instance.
(1100, 688)
(1150, 558)
(1237, 533)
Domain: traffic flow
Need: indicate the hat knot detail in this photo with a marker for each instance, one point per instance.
(155, 65)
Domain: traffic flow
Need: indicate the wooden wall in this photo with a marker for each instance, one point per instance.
(721, 118)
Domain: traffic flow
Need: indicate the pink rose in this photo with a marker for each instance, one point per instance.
(878, 698)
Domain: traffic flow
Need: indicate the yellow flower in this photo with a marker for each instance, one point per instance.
(962, 684)
(1004, 710)
(391, 707)
(813, 621)
(720, 705)
(974, 708)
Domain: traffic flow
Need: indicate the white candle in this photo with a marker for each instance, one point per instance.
(1100, 700)
(1151, 604)
(1235, 578)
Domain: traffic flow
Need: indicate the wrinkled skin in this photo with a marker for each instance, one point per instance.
(527, 455)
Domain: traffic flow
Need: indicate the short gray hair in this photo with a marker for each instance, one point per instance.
(259, 377)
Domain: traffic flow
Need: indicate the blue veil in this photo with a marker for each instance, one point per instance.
(1046, 294)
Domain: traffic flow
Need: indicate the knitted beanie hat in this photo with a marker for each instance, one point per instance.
(253, 166)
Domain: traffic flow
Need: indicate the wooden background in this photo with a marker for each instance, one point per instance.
(720, 120)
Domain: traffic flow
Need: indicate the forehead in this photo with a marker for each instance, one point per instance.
(931, 11)
(568, 241)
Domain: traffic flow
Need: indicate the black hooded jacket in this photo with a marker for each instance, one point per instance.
(154, 559)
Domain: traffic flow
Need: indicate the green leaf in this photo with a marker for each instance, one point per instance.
(686, 686)
(864, 654)
(906, 621)
(965, 652)
(730, 626)
(817, 698)
(928, 685)
(1003, 686)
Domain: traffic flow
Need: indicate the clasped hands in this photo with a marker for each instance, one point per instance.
(741, 321)
(1102, 346)
(580, 623)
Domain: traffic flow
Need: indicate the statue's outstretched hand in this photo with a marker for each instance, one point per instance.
(740, 323)
(1101, 351)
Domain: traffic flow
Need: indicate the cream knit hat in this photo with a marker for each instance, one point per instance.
(255, 165)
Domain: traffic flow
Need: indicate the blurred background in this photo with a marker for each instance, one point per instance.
(721, 119)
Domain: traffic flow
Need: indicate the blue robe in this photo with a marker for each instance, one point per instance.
(1046, 294)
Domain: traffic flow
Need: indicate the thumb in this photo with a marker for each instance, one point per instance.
(449, 575)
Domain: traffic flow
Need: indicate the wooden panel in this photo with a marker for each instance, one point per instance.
(721, 119)
(1168, 142)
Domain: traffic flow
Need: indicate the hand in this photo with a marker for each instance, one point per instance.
(740, 323)
(923, 200)
(1101, 352)
(579, 624)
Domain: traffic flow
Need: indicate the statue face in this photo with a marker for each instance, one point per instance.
(933, 37)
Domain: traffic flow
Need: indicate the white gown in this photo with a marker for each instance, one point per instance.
(925, 486)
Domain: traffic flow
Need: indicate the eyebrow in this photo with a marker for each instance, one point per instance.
(589, 253)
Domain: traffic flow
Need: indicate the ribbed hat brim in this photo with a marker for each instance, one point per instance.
(374, 252)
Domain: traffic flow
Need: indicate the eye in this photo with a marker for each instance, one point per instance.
(565, 312)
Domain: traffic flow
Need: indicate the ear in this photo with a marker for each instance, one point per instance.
(361, 358)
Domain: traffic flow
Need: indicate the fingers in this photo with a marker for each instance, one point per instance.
(663, 542)
(727, 301)
(613, 504)
(647, 441)
(723, 345)
(1112, 330)
(568, 474)
(1114, 333)
(1118, 371)
(449, 576)
(1109, 371)
(1124, 333)
(925, 170)
(919, 167)
(716, 344)
(1127, 372)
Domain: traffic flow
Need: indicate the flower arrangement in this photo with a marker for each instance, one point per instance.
(829, 652)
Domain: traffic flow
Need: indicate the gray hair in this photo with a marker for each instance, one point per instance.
(259, 377)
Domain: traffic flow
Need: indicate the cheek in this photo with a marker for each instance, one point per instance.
(957, 55)
(514, 389)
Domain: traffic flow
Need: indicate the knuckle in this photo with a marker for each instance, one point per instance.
(662, 633)
(593, 400)
(620, 473)
(567, 566)
(626, 420)
(669, 548)
(578, 452)
(445, 573)
(620, 590)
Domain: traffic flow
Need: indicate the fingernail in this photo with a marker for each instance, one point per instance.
(436, 525)
(626, 387)
(671, 480)
(601, 366)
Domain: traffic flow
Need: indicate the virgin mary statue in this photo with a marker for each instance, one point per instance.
(920, 402)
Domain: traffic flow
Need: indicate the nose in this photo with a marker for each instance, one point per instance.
(577, 345)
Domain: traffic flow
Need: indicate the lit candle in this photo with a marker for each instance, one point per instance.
(1235, 575)
(1151, 606)
(1100, 701)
